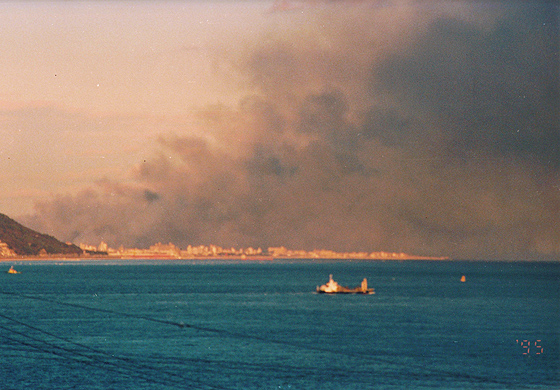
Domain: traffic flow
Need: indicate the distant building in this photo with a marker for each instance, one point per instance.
(86, 247)
(169, 249)
(278, 251)
(102, 247)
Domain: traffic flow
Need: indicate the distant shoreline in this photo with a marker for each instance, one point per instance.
(170, 259)
(67, 258)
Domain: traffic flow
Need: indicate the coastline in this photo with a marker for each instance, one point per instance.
(67, 258)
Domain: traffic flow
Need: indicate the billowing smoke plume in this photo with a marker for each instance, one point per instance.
(431, 131)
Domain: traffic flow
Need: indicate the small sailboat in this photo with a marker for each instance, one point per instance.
(12, 271)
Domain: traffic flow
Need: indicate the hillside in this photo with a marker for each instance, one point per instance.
(26, 242)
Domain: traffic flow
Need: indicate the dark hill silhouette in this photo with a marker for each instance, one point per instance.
(27, 242)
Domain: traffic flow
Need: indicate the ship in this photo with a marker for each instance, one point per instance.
(12, 271)
(333, 287)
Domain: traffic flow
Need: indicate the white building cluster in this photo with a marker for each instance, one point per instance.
(282, 252)
(171, 251)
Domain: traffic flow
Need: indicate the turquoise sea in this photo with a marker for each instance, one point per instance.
(260, 325)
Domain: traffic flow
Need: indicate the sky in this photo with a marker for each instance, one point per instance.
(427, 127)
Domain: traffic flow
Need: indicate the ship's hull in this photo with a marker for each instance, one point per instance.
(347, 291)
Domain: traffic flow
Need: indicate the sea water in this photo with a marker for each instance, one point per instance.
(261, 325)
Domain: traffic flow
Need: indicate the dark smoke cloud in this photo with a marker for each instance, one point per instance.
(495, 92)
(445, 143)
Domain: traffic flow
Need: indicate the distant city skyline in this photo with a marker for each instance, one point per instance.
(208, 251)
(429, 128)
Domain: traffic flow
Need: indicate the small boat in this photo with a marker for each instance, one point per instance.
(333, 287)
(463, 279)
(12, 271)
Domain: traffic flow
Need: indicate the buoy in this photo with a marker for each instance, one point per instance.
(463, 279)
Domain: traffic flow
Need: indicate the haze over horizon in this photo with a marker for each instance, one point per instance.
(430, 128)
